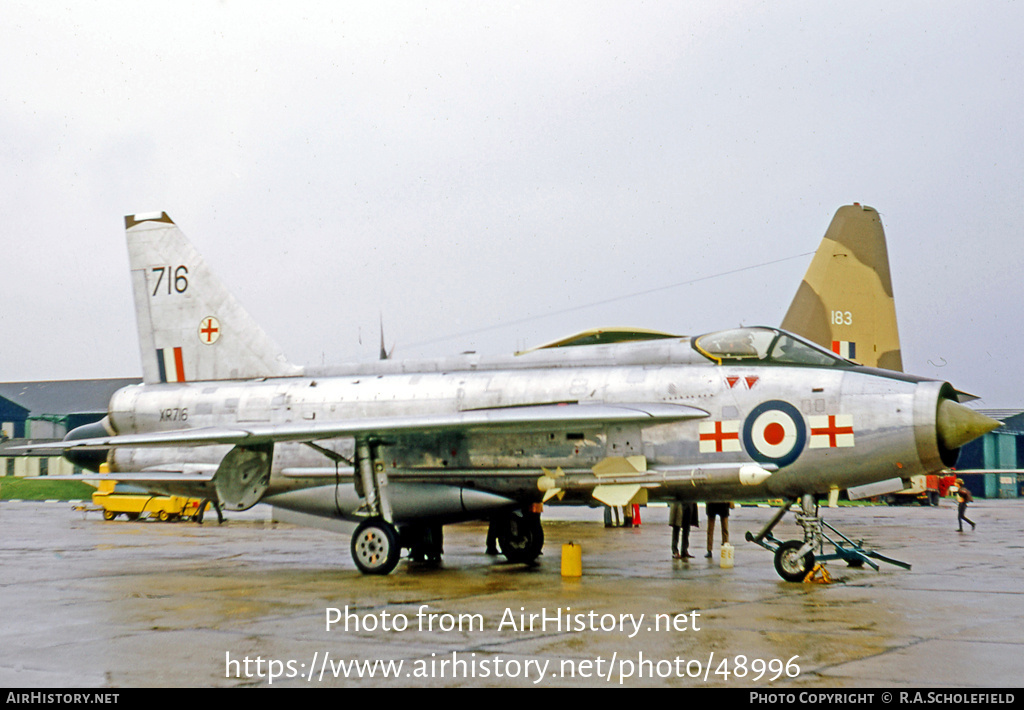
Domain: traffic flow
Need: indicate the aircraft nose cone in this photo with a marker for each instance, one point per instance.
(958, 424)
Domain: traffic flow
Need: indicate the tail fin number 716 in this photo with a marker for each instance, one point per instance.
(178, 283)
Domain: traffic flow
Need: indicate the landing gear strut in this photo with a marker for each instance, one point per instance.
(794, 559)
(376, 545)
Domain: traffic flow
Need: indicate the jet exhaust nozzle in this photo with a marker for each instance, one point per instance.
(89, 460)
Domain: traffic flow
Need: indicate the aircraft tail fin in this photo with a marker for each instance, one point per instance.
(845, 302)
(190, 326)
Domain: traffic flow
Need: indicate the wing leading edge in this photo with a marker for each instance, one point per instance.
(525, 418)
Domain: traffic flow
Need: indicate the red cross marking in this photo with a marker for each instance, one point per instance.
(719, 436)
(832, 431)
(208, 329)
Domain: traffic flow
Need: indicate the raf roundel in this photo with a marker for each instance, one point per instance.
(774, 432)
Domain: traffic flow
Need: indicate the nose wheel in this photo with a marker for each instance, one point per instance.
(790, 564)
(794, 559)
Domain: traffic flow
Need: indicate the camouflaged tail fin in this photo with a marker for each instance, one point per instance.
(845, 302)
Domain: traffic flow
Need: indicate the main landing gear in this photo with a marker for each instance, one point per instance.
(794, 559)
(377, 544)
(520, 536)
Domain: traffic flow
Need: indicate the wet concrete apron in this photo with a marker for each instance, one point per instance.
(118, 604)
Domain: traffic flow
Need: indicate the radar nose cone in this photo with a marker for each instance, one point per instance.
(958, 424)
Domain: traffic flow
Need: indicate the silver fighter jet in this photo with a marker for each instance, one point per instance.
(615, 417)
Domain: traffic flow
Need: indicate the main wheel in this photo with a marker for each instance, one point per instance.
(109, 515)
(790, 567)
(522, 537)
(375, 546)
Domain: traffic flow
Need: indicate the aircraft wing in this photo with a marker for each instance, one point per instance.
(154, 475)
(524, 418)
(168, 481)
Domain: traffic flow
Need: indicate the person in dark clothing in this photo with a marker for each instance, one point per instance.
(964, 497)
(492, 537)
(681, 517)
(722, 511)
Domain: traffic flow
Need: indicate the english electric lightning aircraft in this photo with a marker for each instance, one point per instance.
(615, 416)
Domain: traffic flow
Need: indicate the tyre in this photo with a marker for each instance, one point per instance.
(375, 547)
(522, 537)
(788, 565)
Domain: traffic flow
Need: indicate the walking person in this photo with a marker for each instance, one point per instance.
(964, 497)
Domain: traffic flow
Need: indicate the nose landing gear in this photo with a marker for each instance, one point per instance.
(795, 559)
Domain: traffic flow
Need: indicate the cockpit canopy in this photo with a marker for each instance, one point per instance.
(764, 346)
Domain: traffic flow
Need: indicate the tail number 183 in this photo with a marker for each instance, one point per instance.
(842, 318)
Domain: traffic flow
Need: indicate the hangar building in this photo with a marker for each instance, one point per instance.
(993, 466)
(47, 410)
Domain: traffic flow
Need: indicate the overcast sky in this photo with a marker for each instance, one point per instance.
(466, 170)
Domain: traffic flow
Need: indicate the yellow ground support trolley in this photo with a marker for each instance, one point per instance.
(134, 503)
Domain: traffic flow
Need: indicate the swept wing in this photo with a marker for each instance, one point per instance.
(525, 418)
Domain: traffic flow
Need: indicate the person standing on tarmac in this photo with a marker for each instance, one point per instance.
(722, 511)
(681, 517)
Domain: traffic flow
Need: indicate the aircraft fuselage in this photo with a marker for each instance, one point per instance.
(812, 428)
(613, 416)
